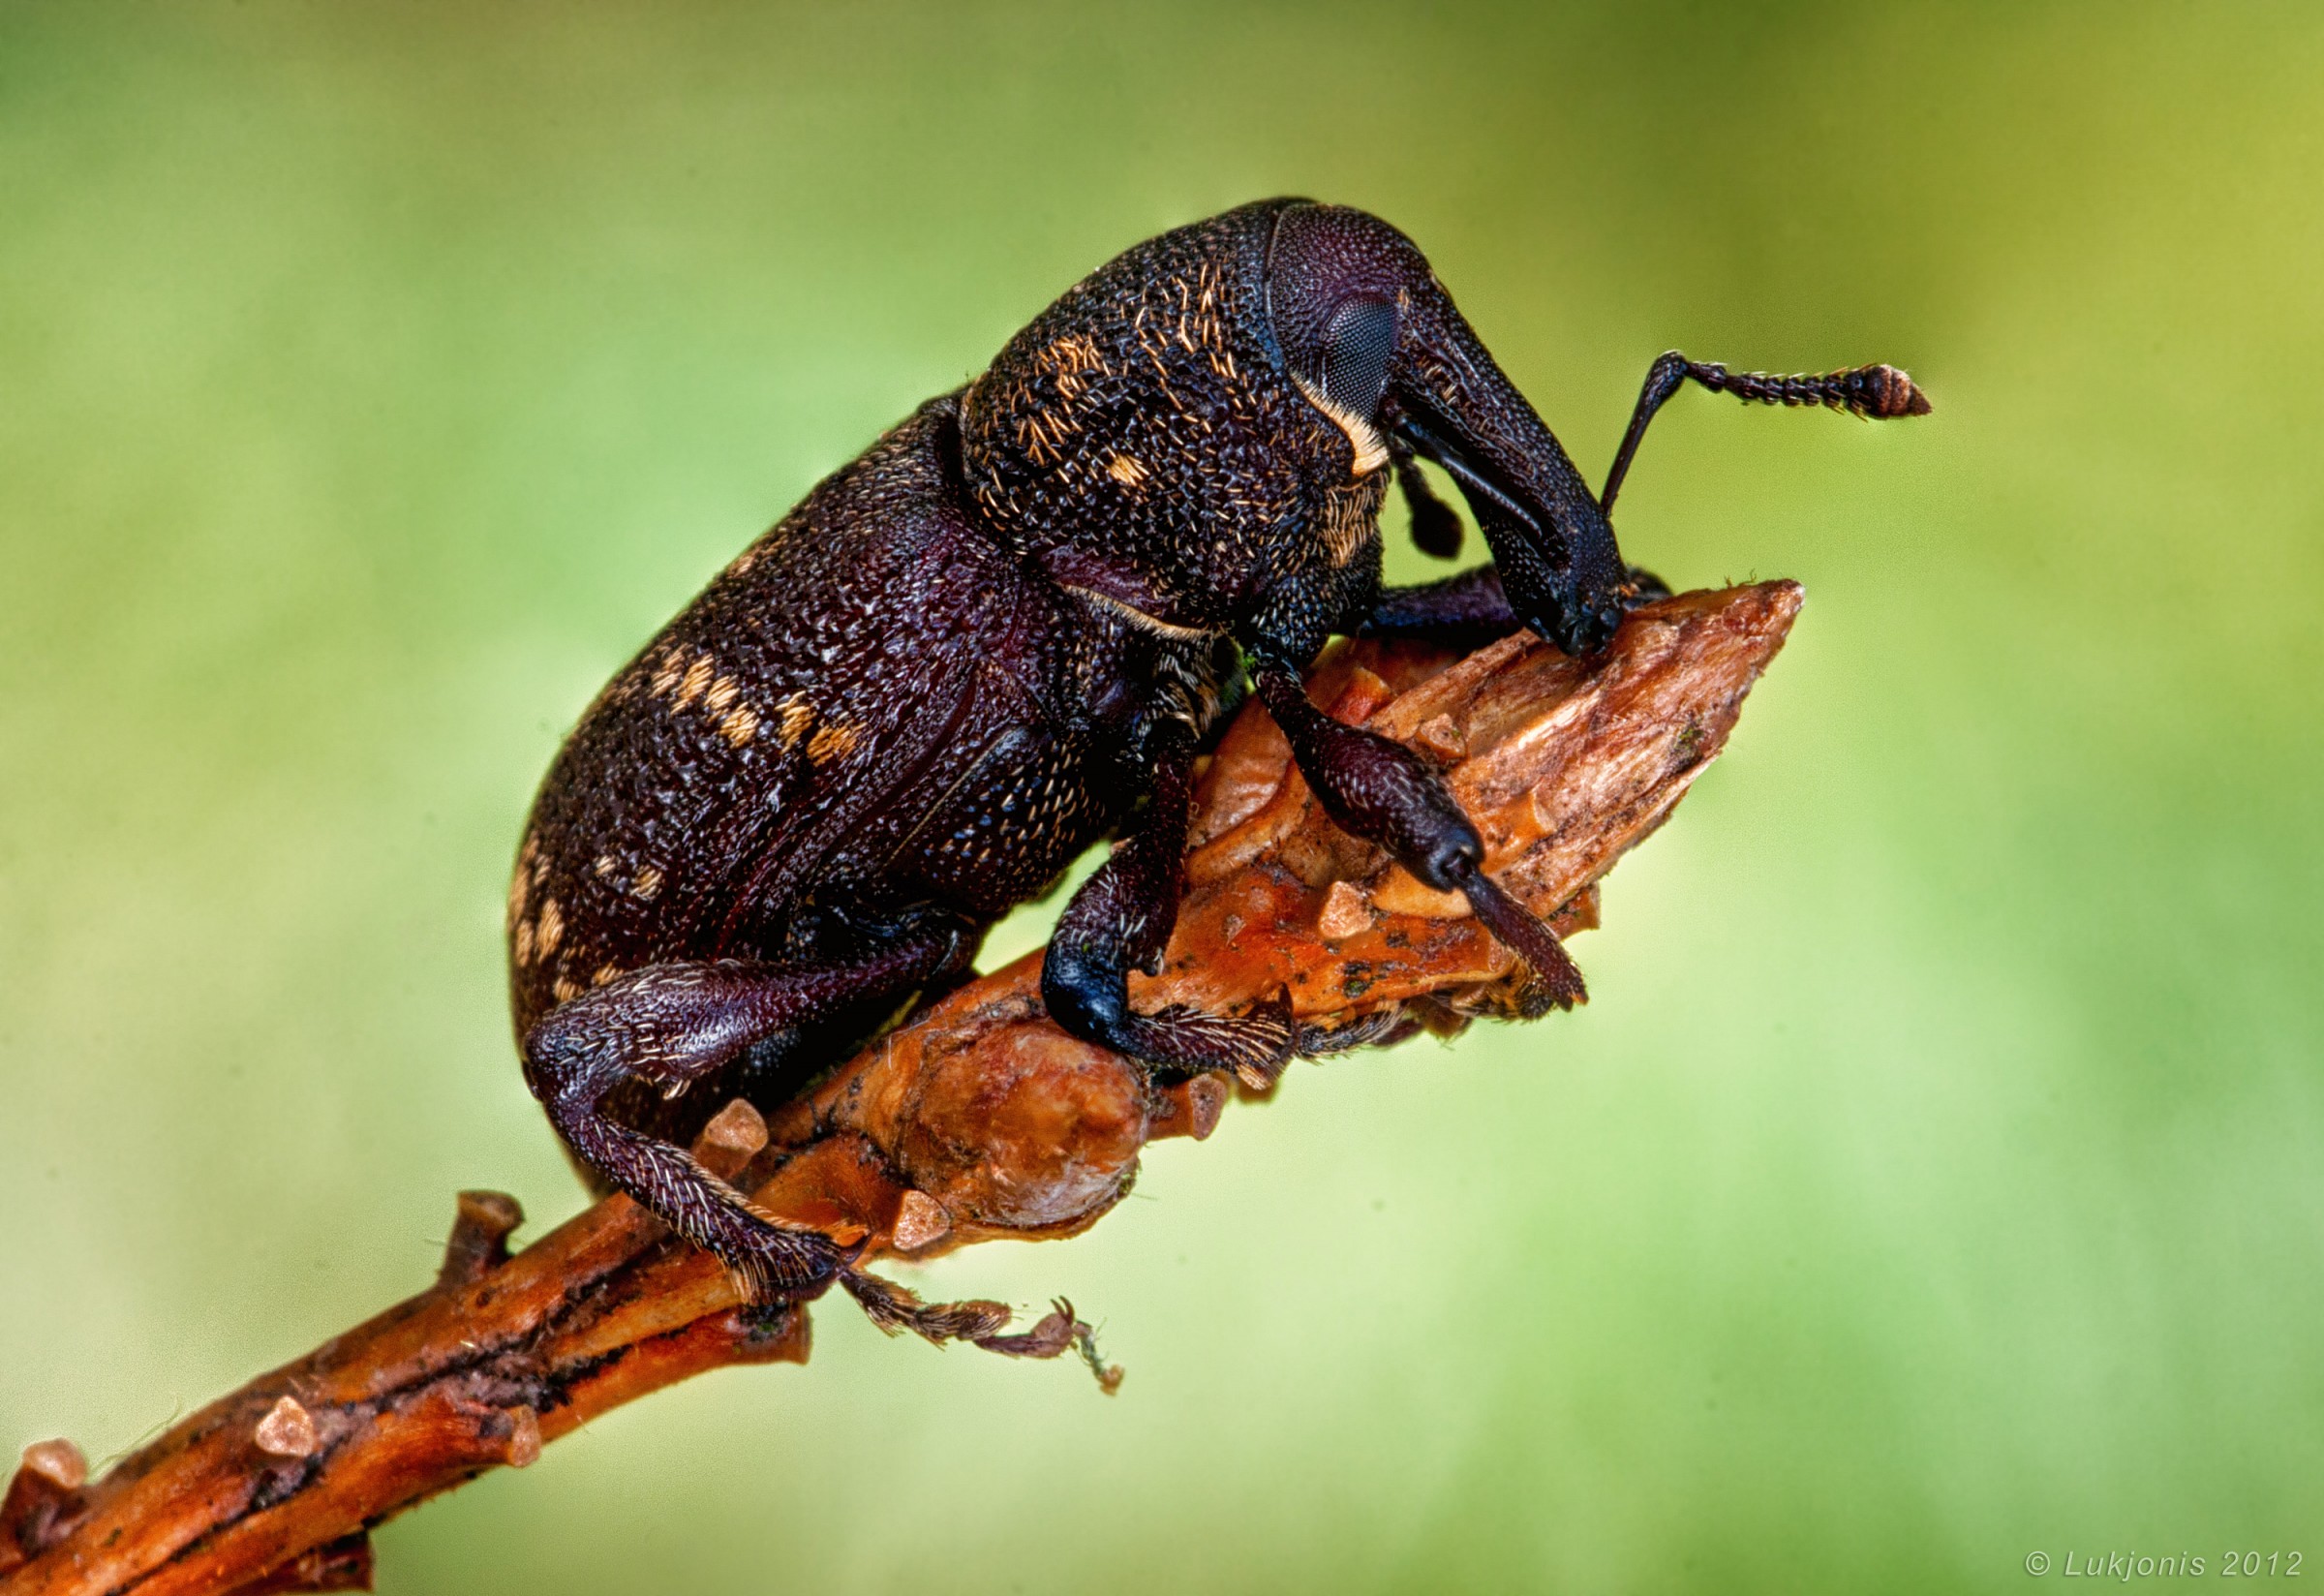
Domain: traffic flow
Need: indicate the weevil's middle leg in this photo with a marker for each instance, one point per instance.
(1470, 610)
(1465, 610)
(1120, 920)
(670, 1024)
(1381, 791)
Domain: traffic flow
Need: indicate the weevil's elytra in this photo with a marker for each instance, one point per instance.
(1003, 633)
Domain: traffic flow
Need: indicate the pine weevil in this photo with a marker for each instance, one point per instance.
(1003, 633)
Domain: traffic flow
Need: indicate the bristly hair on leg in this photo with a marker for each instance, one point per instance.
(770, 1260)
(1383, 1028)
(895, 1310)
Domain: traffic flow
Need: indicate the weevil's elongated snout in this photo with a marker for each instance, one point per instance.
(1366, 329)
(1556, 552)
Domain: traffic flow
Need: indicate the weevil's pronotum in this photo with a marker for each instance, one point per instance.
(1003, 634)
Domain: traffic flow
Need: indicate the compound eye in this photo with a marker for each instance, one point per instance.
(1357, 343)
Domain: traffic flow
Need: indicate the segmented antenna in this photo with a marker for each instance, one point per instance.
(1877, 393)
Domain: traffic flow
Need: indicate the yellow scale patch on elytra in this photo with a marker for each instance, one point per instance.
(551, 929)
(833, 741)
(684, 676)
(797, 716)
(529, 866)
(1126, 470)
(648, 885)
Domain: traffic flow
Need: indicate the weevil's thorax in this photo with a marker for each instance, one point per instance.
(1143, 440)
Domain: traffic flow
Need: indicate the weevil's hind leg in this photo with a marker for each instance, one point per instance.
(1120, 920)
(671, 1024)
(1877, 393)
(1381, 791)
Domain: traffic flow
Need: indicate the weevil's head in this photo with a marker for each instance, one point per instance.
(1209, 415)
(1371, 338)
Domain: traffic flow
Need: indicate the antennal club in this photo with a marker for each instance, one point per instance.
(1875, 394)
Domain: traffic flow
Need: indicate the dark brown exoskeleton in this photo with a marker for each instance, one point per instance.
(1002, 635)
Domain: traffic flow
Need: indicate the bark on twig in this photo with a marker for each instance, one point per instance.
(979, 1119)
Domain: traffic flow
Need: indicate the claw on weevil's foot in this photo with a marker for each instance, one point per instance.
(981, 1324)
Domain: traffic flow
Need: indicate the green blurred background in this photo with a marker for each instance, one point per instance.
(1935, 1176)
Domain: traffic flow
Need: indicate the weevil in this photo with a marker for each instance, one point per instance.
(1002, 635)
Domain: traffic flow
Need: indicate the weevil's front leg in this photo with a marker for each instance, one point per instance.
(1466, 610)
(1382, 792)
(1120, 920)
(1469, 610)
(671, 1024)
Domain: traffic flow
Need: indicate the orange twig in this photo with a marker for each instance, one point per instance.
(978, 1120)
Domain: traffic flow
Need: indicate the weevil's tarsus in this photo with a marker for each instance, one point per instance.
(1383, 1028)
(895, 1308)
(1527, 934)
(985, 1325)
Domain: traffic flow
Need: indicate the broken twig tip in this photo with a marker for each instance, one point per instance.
(59, 1463)
(920, 1222)
(482, 1222)
(524, 1438)
(1205, 1103)
(288, 1430)
(735, 1135)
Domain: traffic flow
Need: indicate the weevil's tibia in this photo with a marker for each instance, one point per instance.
(1877, 393)
(1382, 792)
